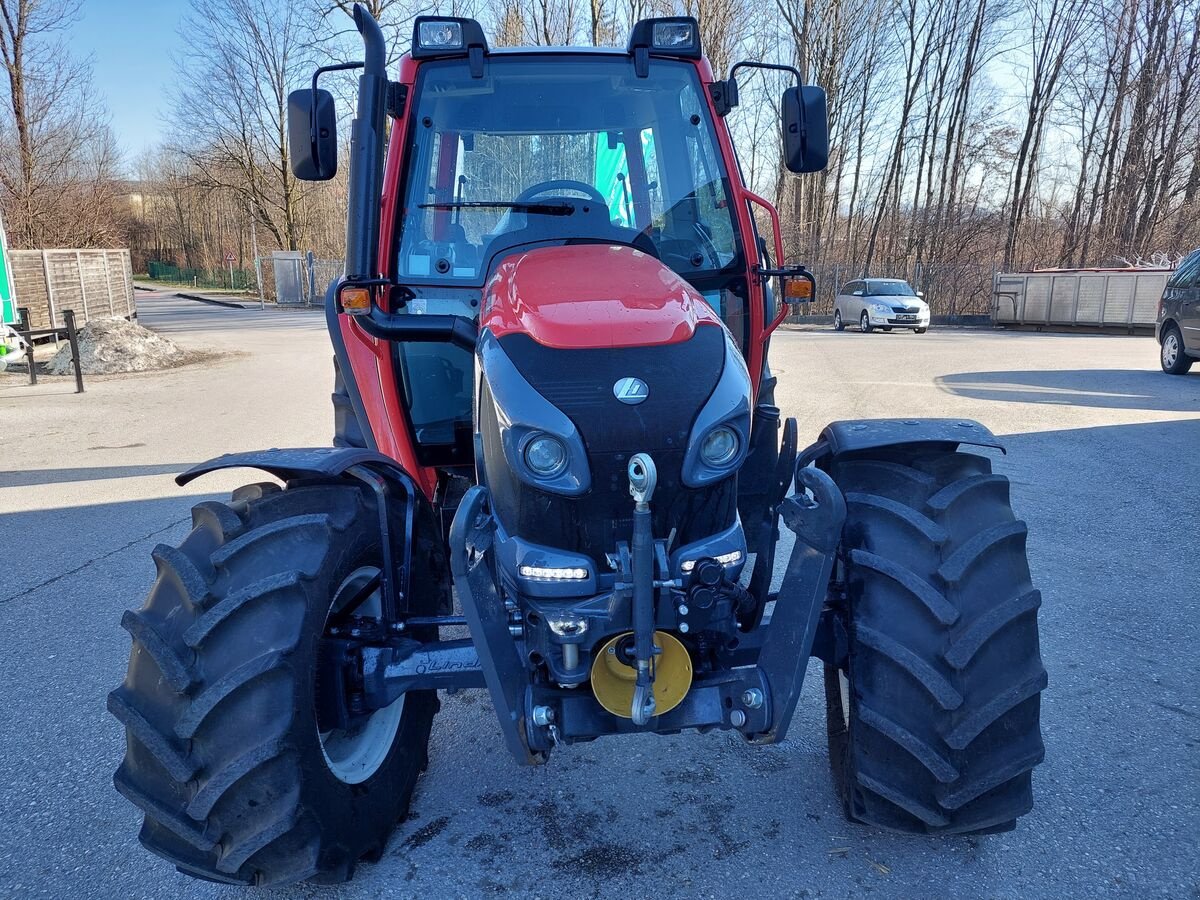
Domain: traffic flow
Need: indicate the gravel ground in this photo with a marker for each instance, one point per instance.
(1103, 458)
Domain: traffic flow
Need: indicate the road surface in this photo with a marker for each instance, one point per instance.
(1105, 462)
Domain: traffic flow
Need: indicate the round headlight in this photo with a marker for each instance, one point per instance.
(720, 446)
(545, 455)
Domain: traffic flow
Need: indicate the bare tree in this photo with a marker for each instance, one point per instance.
(244, 57)
(58, 160)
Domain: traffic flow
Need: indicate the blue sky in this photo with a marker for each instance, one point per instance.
(131, 43)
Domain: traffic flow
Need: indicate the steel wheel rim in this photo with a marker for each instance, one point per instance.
(1170, 350)
(355, 754)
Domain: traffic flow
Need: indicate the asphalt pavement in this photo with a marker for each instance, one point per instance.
(1104, 456)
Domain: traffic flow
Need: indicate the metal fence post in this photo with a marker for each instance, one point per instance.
(27, 329)
(73, 337)
(312, 278)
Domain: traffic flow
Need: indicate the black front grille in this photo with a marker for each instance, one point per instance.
(680, 378)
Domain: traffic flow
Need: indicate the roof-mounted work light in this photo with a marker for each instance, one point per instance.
(437, 37)
(676, 36)
(440, 34)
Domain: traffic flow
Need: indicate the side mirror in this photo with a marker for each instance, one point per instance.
(800, 287)
(805, 129)
(312, 134)
(920, 293)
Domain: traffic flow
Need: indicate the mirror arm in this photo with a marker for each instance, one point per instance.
(755, 64)
(725, 93)
(312, 117)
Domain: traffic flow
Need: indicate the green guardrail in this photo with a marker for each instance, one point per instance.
(211, 279)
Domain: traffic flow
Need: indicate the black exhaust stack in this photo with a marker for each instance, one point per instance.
(366, 154)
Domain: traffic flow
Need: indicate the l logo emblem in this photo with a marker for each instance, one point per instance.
(631, 390)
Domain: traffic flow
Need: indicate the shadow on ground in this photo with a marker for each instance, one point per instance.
(1101, 388)
(30, 477)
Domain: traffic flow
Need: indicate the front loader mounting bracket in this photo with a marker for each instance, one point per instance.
(817, 523)
(471, 536)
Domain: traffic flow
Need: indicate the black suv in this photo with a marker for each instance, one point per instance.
(1178, 325)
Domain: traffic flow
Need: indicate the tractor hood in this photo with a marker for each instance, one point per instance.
(592, 296)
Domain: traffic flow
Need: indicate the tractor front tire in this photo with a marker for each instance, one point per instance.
(933, 717)
(224, 756)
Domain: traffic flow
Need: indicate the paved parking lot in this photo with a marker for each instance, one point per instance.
(1104, 455)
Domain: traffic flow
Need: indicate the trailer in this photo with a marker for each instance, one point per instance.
(1117, 299)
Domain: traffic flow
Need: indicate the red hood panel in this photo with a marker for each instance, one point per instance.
(589, 296)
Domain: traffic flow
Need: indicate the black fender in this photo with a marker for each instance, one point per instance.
(400, 502)
(852, 436)
(303, 462)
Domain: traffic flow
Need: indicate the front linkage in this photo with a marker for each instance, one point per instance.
(367, 663)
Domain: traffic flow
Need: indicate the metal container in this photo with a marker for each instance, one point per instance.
(1121, 299)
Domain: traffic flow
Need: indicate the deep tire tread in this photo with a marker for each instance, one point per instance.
(971, 639)
(181, 826)
(175, 761)
(176, 567)
(221, 749)
(203, 705)
(172, 666)
(944, 661)
(931, 598)
(967, 556)
(214, 616)
(213, 787)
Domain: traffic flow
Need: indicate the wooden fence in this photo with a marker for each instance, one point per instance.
(96, 284)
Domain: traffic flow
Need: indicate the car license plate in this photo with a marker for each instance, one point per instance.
(907, 317)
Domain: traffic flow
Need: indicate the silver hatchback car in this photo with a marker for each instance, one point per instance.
(883, 303)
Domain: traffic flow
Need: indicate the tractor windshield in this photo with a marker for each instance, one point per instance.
(547, 147)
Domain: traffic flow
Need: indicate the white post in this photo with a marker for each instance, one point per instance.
(108, 284)
(126, 285)
(82, 285)
(262, 303)
(49, 291)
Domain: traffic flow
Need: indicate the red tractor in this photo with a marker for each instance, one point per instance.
(556, 433)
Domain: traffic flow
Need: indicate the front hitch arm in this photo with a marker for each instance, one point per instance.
(817, 522)
(642, 480)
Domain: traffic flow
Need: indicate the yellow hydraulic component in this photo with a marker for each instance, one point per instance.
(613, 680)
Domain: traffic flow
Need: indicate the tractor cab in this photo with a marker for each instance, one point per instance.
(545, 149)
(494, 153)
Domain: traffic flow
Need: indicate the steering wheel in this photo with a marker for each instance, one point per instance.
(560, 184)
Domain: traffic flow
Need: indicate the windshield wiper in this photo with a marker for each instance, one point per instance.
(546, 209)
